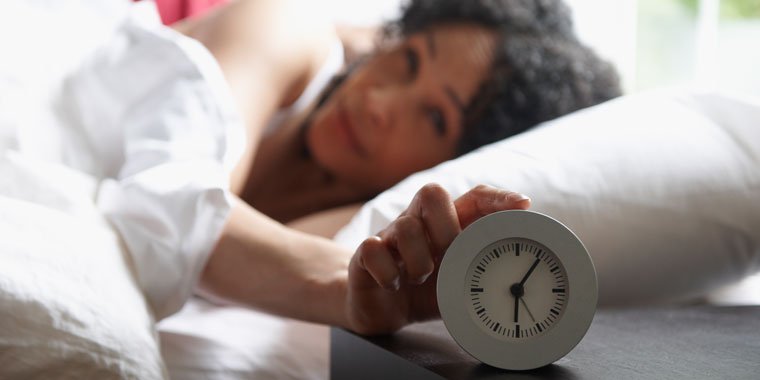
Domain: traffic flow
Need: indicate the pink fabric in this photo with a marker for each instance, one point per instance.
(172, 11)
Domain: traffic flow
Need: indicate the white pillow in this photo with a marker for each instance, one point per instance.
(663, 188)
(70, 307)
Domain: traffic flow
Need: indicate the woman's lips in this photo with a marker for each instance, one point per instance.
(346, 131)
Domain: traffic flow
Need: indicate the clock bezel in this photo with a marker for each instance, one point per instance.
(566, 332)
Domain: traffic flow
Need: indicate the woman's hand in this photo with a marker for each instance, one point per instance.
(392, 276)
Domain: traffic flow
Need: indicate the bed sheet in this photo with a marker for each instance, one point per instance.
(202, 341)
(206, 341)
(69, 304)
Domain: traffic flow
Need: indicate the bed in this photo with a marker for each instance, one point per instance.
(647, 178)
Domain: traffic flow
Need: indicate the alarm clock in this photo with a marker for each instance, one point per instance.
(517, 290)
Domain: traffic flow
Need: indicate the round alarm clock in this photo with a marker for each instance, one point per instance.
(517, 290)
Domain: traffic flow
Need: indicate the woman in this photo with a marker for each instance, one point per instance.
(454, 76)
(451, 76)
(541, 72)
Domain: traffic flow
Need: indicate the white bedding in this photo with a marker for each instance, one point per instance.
(70, 307)
(140, 108)
(86, 318)
(96, 324)
(204, 341)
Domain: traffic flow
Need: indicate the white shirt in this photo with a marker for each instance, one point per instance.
(155, 121)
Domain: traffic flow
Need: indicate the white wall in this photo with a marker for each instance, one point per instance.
(363, 12)
(609, 27)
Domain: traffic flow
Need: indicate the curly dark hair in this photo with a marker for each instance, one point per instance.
(540, 69)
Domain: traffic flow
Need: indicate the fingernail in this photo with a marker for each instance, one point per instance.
(395, 284)
(517, 197)
(422, 279)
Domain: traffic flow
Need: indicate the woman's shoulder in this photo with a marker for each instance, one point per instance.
(333, 64)
(269, 50)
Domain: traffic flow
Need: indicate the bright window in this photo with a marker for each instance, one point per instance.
(707, 44)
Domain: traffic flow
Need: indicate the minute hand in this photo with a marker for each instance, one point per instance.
(532, 267)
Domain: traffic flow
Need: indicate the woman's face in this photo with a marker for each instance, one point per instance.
(401, 111)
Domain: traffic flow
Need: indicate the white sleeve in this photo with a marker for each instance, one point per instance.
(159, 113)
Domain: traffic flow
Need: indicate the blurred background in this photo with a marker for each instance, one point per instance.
(709, 45)
(703, 44)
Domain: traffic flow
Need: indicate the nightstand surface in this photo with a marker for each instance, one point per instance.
(663, 343)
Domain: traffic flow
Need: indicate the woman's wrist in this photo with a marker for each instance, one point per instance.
(335, 305)
(324, 280)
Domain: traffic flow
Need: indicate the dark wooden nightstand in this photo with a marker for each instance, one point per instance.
(664, 343)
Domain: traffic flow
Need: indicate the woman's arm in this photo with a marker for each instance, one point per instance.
(388, 283)
(263, 264)
(268, 50)
(325, 223)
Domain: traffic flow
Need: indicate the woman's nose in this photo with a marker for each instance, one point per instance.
(380, 107)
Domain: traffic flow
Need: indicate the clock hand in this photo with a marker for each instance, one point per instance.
(526, 308)
(517, 291)
(517, 305)
(529, 272)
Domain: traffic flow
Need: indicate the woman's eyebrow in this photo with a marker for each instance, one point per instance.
(431, 47)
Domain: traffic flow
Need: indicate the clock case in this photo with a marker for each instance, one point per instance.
(581, 284)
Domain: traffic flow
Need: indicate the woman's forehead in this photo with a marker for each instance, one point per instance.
(458, 55)
(456, 35)
(464, 44)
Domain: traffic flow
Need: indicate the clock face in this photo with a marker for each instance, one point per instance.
(517, 289)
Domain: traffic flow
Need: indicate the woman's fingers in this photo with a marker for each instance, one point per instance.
(423, 232)
(407, 250)
(375, 257)
(433, 206)
(407, 235)
(483, 200)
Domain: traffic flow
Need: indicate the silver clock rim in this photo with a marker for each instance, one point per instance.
(535, 352)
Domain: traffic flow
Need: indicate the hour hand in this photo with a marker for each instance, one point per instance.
(517, 305)
(517, 291)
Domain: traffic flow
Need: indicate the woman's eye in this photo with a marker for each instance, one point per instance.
(412, 62)
(436, 119)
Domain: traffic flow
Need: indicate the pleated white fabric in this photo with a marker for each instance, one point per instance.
(155, 121)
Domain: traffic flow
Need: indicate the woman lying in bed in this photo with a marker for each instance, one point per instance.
(448, 77)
